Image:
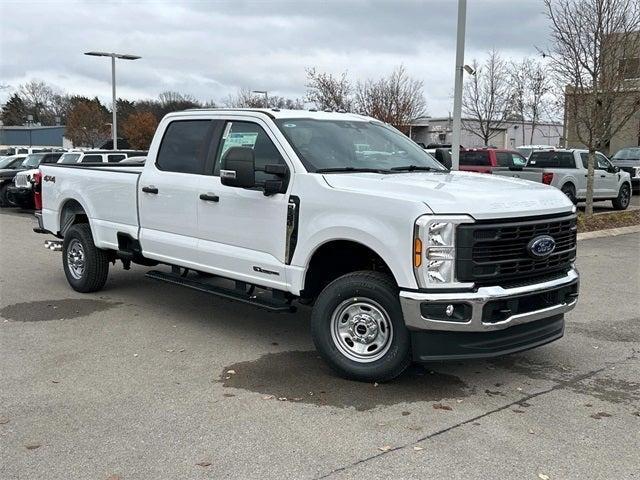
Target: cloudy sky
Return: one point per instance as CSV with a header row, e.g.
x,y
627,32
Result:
x,y
210,48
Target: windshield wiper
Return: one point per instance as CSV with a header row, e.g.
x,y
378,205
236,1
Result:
x,y
351,169
414,168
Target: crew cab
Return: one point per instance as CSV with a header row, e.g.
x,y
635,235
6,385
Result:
x,y
485,160
400,258
567,170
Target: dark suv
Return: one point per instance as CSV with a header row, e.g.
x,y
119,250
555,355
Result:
x,y
21,193
628,159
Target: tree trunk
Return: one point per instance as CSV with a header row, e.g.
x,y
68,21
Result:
x,y
591,163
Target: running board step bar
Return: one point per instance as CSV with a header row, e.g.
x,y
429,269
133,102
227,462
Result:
x,y
240,295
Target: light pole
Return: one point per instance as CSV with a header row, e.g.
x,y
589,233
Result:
x,y
457,95
114,128
266,96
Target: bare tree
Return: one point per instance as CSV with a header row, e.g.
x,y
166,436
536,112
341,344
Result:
x,y
328,92
38,97
245,98
531,89
397,99
593,44
487,98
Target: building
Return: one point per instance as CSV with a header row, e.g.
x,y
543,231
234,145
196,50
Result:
x,y
428,130
625,63
32,135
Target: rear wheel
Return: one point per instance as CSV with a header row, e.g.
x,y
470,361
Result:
x,y
85,266
623,199
4,200
358,327
570,191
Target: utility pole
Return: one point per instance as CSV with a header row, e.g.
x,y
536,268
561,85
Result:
x,y
457,96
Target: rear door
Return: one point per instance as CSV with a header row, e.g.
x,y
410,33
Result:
x,y
168,192
243,232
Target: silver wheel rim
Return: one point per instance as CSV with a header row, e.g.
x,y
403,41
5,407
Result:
x,y
625,196
75,259
361,330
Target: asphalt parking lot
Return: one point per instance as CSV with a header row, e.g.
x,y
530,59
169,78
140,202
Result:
x,y
150,381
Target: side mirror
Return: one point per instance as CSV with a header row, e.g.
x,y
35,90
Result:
x,y
443,155
237,168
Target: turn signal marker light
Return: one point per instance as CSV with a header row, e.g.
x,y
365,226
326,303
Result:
x,y
417,252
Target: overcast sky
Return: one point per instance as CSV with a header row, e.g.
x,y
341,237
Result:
x,y
209,49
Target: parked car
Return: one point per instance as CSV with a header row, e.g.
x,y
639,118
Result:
x,y
98,156
628,159
7,150
401,258
527,150
9,166
484,160
567,170
20,194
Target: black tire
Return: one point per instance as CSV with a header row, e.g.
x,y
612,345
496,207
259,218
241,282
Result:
x,y
364,287
4,200
623,199
570,191
92,276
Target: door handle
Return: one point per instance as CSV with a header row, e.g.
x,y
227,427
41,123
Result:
x,y
150,189
209,197
603,176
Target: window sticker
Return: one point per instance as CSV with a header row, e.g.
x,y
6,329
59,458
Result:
x,y
239,139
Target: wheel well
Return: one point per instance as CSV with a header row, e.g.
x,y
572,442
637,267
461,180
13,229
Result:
x,y
72,213
568,184
337,258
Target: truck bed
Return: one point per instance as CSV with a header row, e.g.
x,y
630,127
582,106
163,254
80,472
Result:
x,y
109,192
526,173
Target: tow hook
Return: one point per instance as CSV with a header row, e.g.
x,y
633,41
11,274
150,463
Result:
x,y
53,245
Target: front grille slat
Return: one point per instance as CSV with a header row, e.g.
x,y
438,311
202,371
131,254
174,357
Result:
x,y
495,253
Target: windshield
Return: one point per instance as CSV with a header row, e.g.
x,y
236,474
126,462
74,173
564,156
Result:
x,y
337,144
627,154
69,158
32,160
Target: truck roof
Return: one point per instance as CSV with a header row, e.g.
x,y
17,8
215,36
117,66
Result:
x,y
278,113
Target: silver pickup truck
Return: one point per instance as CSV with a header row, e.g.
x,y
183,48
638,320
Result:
x,y
566,169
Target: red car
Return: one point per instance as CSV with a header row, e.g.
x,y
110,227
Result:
x,y
484,160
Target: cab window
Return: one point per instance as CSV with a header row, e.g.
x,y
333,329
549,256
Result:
x,y
251,135
185,146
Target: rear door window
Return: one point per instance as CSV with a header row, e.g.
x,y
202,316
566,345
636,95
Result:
x,y
91,159
480,158
509,159
185,146
115,158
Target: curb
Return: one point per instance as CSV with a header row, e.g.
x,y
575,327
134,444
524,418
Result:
x,y
611,232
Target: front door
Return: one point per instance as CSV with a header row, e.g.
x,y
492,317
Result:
x,y
168,193
242,231
608,178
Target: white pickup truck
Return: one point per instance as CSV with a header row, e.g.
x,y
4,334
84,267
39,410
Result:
x,y
401,259
567,170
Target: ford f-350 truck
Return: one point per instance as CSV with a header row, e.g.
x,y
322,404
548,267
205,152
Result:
x,y
400,258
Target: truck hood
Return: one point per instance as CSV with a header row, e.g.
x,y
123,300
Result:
x,y
7,172
482,196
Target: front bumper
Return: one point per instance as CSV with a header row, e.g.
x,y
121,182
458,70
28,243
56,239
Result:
x,y
20,196
490,321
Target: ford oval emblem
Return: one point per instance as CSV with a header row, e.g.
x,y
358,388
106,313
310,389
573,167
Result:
x,y
541,246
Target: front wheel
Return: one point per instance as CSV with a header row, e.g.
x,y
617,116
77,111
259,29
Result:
x,y
85,266
358,327
623,199
4,198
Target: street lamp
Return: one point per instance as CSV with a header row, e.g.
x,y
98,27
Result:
x,y
114,129
266,96
457,95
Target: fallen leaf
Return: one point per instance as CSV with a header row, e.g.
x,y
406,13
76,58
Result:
x,y
542,476
4,420
637,414
417,448
181,350
55,381
493,393
282,399
267,397
600,415
170,350
404,414
32,446
459,400
375,384
441,406
385,448
228,395
135,354
588,405
381,424
231,372
531,432
203,464
516,410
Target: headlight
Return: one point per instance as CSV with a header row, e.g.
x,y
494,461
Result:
x,y
637,171
434,250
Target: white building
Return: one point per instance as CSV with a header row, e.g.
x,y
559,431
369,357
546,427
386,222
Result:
x,y
428,130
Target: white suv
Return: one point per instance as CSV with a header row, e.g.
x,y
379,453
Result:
x,y
98,156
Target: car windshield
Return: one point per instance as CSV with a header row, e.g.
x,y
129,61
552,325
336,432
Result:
x,y
69,158
627,154
341,145
32,160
